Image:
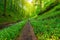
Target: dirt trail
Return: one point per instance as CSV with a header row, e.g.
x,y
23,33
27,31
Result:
x,y
27,33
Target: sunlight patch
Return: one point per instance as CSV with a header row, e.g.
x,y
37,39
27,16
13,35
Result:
x,y
30,1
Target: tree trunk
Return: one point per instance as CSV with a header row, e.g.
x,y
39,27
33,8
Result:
x,y
11,5
5,7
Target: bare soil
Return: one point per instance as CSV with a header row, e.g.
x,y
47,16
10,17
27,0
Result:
x,y
27,33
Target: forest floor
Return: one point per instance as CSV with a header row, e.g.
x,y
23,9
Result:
x,y
27,33
7,24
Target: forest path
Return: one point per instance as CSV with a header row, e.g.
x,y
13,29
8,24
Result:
x,y
27,33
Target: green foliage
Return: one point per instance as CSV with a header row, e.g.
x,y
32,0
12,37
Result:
x,y
55,11
47,25
11,32
46,29
13,11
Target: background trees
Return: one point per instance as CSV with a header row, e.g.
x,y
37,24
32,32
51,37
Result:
x,y
23,9
10,10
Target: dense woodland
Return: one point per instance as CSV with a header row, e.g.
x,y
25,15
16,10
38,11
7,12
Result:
x,y
43,15
12,10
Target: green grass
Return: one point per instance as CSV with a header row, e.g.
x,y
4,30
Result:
x,y
47,29
11,32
